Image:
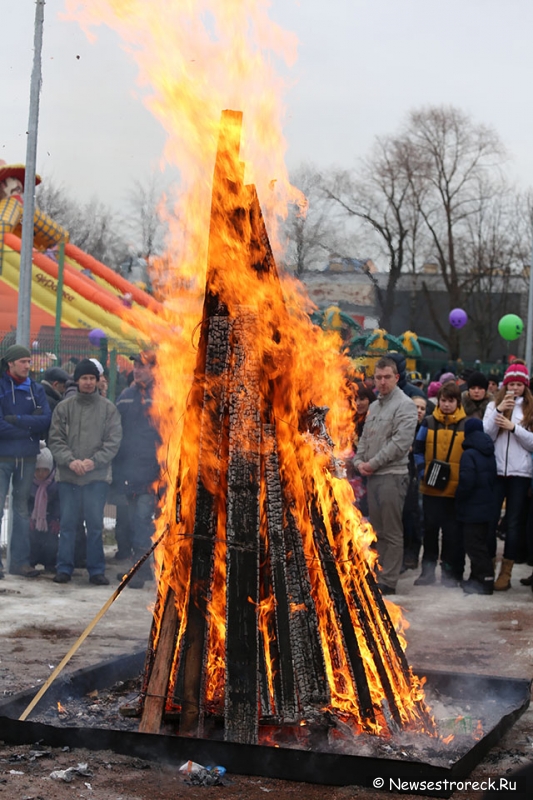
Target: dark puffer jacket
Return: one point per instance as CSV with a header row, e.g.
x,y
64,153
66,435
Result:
x,y
136,468
27,405
52,395
475,408
474,498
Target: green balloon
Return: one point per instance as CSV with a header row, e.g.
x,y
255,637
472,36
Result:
x,y
510,327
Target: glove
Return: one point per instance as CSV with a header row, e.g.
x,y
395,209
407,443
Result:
x,y
11,418
38,412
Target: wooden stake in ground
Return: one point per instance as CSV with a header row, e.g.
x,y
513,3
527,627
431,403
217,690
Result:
x,y
90,627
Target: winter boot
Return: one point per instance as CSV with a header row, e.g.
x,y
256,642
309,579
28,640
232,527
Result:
x,y
448,577
527,581
503,581
476,586
427,576
143,574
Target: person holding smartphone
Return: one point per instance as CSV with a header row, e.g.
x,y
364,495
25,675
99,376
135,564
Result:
x,y
508,420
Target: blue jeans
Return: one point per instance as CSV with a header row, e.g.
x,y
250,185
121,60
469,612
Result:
x,y
22,470
141,513
91,498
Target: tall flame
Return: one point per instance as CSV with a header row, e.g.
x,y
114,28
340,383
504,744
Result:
x,y
197,57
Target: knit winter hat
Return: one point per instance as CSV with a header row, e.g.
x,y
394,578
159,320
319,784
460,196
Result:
x,y
86,367
433,389
518,373
15,352
98,366
479,380
472,424
44,460
445,377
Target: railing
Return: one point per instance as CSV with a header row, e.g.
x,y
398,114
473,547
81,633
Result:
x,y
74,345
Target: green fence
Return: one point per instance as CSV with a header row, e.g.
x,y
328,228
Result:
x,y
72,346
429,366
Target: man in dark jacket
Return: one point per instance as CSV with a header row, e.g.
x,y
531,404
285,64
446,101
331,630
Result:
x,y
54,383
136,468
474,501
24,420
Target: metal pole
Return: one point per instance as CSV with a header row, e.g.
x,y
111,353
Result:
x,y
26,251
59,299
112,394
529,328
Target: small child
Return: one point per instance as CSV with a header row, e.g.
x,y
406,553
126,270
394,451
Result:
x,y
413,529
437,451
43,505
474,502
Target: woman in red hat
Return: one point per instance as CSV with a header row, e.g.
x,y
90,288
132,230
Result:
x,y
509,422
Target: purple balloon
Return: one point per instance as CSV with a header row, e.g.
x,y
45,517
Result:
x,y
458,317
95,336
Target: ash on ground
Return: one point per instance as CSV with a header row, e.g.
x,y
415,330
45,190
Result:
x,y
459,726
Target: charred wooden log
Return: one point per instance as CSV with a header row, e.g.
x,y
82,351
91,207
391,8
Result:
x,y
189,687
286,700
262,544
242,537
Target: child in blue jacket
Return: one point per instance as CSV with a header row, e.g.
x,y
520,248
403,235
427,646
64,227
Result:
x,y
474,503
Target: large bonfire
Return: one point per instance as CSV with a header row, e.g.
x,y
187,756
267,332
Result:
x,y
268,610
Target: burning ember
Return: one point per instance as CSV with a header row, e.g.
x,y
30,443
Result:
x,y
268,612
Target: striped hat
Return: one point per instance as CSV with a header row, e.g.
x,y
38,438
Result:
x,y
518,373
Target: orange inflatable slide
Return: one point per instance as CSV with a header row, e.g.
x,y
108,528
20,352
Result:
x,y
94,296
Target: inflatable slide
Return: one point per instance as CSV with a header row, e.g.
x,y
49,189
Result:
x,y
94,296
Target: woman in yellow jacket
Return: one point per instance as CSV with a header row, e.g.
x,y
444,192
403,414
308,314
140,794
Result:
x,y
438,449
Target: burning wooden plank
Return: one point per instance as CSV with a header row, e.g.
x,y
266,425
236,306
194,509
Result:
x,y
242,539
210,459
278,618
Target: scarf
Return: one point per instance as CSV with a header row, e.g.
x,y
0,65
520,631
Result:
x,y
19,381
40,507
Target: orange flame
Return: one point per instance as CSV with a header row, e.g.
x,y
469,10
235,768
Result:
x,y
198,58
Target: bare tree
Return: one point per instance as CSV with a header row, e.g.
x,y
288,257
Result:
x,y
493,248
313,230
93,227
146,200
380,195
455,172
435,192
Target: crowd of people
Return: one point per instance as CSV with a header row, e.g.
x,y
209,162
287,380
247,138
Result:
x,y
66,449
440,470
443,470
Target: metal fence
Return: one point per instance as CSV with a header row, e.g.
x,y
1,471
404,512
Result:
x,y
72,345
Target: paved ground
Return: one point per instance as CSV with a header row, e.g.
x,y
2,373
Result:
x,y
40,620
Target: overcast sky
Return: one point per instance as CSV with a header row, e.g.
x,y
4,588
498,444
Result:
x,y
362,65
